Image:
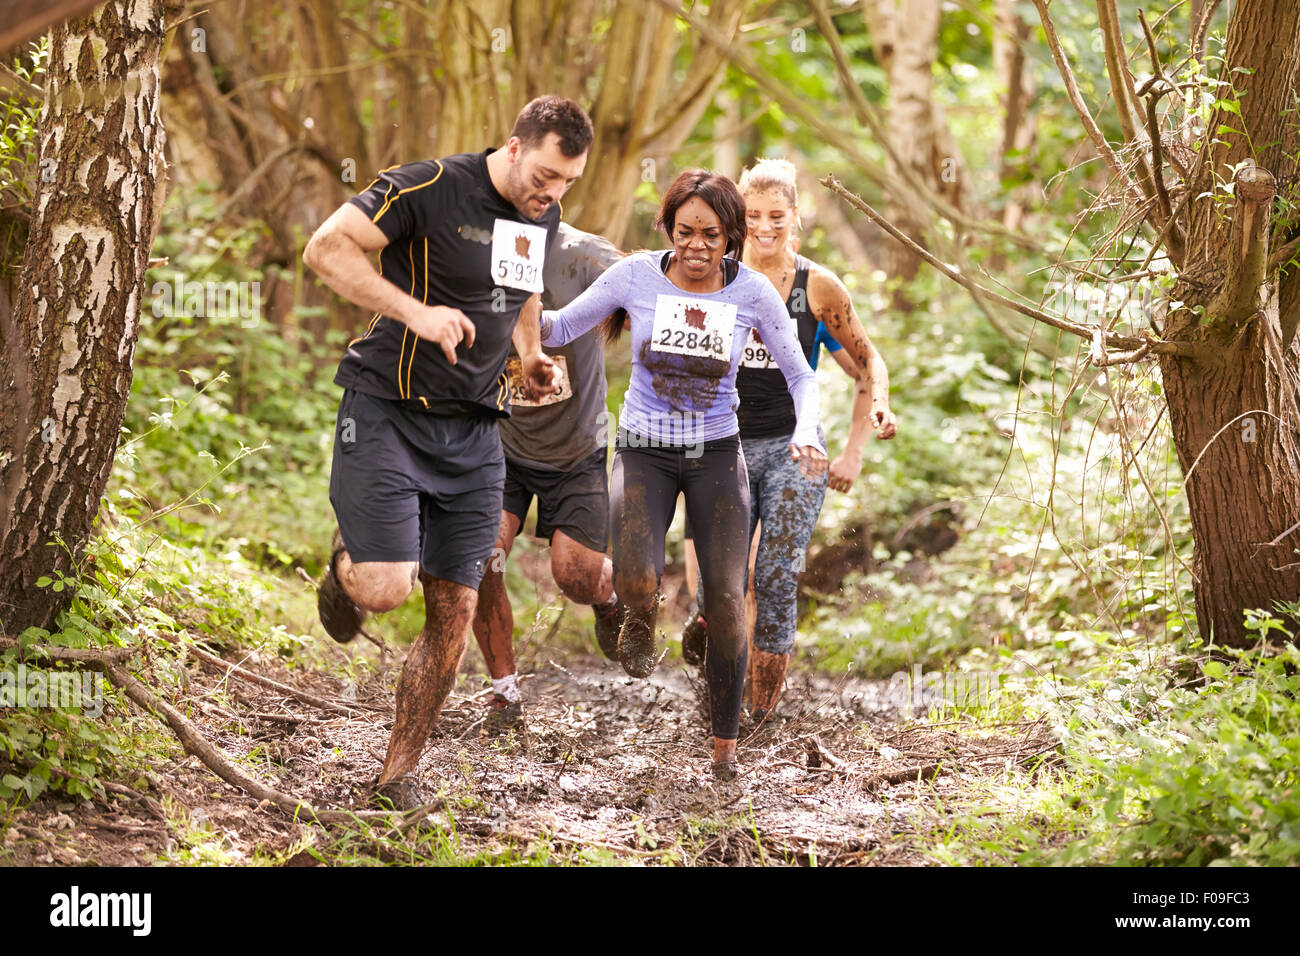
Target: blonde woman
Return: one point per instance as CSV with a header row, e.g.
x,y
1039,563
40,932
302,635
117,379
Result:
x,y
783,498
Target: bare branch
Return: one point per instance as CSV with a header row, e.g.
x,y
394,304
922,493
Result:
x,y
1284,253
1199,29
1121,78
1076,98
11,83
1083,331
837,138
28,19
1156,91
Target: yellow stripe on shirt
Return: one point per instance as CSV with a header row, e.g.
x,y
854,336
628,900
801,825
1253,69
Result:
x,y
389,200
406,393
425,300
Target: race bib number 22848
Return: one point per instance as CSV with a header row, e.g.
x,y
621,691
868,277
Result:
x,y
695,327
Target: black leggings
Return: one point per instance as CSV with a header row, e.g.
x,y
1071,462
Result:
x,y
643,497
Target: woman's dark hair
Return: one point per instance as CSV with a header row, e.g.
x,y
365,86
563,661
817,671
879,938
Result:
x,y
612,326
558,115
722,196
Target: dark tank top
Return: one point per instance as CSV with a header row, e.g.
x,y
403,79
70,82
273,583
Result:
x,y
766,408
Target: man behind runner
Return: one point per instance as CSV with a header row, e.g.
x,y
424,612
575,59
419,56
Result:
x,y
418,469
556,449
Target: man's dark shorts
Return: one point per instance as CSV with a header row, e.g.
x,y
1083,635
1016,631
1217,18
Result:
x,y
574,501
410,486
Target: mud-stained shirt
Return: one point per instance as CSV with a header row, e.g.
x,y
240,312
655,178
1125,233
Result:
x,y
453,240
560,430
687,346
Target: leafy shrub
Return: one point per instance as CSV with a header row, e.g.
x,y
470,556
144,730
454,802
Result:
x,y
1196,773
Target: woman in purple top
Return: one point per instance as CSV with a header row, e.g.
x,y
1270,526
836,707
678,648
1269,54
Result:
x,y
691,310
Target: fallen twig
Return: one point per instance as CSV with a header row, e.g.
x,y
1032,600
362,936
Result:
x,y
195,743
83,655
247,675
903,776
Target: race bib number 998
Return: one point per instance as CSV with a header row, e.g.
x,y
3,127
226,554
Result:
x,y
756,354
694,327
518,254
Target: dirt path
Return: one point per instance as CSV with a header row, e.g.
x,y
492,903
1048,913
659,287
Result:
x,y
609,770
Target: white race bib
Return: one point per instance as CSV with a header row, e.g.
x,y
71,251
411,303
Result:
x,y
756,354
519,390
518,254
695,327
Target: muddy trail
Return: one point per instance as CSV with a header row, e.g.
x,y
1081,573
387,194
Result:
x,y
608,770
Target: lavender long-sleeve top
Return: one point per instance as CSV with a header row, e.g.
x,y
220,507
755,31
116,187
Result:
x,y
686,347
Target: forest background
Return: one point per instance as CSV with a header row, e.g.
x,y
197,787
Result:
x,y
1089,176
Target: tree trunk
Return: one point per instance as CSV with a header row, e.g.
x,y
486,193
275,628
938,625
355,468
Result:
x,y
1233,407
1245,489
66,368
907,47
1011,35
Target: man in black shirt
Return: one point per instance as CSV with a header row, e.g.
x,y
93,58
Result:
x,y
418,468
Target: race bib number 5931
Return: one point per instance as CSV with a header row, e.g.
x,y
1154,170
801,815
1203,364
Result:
x,y
695,327
518,253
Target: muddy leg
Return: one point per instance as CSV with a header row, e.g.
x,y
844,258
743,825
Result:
x,y
494,621
768,679
429,673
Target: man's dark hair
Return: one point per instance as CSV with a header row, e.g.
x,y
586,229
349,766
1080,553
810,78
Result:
x,y
554,114
722,196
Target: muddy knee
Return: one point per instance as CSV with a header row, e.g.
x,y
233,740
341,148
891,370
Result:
x,y
380,585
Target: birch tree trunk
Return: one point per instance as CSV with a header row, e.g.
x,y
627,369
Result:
x,y
66,367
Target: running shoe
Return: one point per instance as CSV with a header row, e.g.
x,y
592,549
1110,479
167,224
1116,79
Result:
x,y
338,612
695,639
636,641
504,716
609,621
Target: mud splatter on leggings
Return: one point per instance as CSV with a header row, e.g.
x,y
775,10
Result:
x,y
788,505
643,496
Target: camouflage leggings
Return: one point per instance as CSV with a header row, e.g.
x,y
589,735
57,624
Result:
x,y
788,505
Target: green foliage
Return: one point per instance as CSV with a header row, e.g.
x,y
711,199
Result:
x,y
1194,773
19,116
18,127
225,403
67,739
144,580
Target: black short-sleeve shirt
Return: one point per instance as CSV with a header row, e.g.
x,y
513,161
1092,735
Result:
x,y
454,241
